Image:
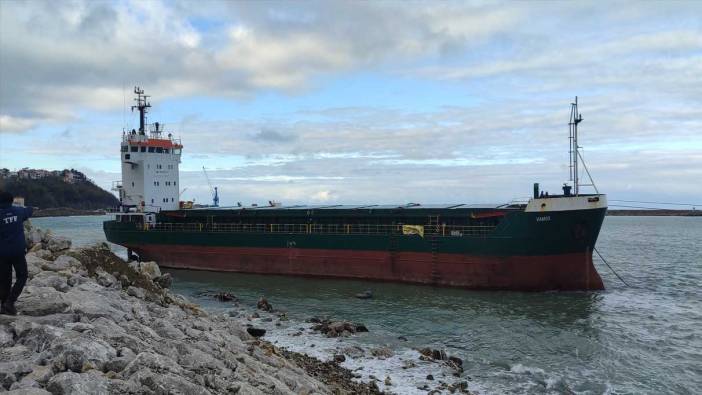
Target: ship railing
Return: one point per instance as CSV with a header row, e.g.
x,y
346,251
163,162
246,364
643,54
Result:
x,y
361,229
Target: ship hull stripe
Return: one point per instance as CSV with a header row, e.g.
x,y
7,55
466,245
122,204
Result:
x,y
571,271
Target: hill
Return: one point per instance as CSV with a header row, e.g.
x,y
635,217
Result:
x,y
56,189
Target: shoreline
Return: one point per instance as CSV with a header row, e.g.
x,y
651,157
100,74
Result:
x,y
91,322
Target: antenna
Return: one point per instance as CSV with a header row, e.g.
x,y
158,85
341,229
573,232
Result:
x,y
142,105
575,156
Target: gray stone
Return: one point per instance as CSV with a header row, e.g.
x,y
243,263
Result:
x,y
57,244
106,279
150,269
44,254
13,371
49,279
63,262
167,330
164,281
136,292
29,391
68,383
6,336
41,301
79,326
74,355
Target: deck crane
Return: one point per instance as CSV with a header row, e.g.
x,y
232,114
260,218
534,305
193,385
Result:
x,y
213,190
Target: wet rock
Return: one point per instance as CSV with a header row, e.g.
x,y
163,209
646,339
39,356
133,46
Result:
x,y
402,338
57,244
164,281
339,358
457,362
430,377
256,332
67,383
381,352
264,305
338,328
388,382
368,294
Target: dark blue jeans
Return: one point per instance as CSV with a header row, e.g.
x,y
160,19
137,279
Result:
x,y
8,292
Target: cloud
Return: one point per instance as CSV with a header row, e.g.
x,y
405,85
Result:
x,y
270,135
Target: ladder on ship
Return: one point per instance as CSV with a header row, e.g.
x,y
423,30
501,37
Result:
x,y
434,228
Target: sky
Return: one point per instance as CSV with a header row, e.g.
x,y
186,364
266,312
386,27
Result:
x,y
362,102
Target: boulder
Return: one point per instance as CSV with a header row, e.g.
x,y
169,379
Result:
x,y
49,279
68,383
11,372
37,301
150,269
164,281
44,254
29,391
6,336
264,305
105,279
256,332
76,354
381,352
63,262
56,244
136,292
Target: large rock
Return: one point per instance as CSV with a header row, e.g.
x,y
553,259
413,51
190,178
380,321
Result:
x,y
37,301
6,336
78,354
63,262
68,383
29,391
13,371
56,244
49,279
150,269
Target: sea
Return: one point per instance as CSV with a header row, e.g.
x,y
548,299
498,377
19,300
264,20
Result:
x,y
642,337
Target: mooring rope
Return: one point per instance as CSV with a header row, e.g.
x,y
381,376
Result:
x,y
610,268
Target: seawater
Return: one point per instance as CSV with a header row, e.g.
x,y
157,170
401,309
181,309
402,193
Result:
x,y
641,338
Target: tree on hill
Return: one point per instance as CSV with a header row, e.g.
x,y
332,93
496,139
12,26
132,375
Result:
x,y
53,191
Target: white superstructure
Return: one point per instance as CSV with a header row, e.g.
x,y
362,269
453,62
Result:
x,y
150,162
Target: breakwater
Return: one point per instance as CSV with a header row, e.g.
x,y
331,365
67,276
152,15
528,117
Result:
x,y
90,322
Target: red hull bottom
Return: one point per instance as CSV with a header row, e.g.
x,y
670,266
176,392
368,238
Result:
x,y
573,271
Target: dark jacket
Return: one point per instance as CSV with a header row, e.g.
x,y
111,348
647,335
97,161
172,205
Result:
x,y
12,230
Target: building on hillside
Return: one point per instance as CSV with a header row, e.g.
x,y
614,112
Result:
x,y
33,174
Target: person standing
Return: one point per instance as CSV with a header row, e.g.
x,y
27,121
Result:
x,y
12,251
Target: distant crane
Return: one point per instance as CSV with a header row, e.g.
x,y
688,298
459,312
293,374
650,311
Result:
x,y
213,190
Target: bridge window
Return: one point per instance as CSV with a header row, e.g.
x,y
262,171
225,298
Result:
x,y
125,148
159,150
143,149
134,148
165,150
151,149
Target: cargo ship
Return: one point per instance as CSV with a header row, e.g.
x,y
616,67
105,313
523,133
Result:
x,y
545,243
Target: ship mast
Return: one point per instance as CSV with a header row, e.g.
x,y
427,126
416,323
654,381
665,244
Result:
x,y
576,158
142,106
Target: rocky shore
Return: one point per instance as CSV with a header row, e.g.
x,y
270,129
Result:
x,y
91,323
